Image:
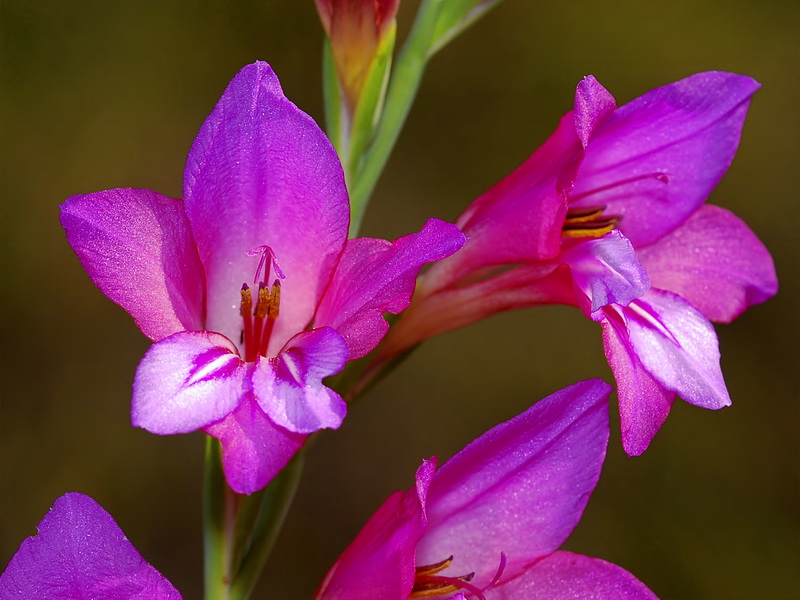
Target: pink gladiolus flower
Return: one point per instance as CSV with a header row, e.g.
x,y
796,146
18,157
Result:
x,y
487,525
80,552
608,215
265,205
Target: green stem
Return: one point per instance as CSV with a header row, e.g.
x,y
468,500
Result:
x,y
405,81
275,505
219,517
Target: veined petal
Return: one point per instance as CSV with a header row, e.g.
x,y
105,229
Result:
x,y
254,449
137,247
375,277
520,488
568,576
715,262
644,404
379,563
678,347
187,381
80,552
262,173
289,387
685,133
607,270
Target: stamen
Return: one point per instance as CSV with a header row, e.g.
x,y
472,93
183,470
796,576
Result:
x,y
246,310
589,227
434,568
272,314
275,300
658,175
438,585
263,304
427,582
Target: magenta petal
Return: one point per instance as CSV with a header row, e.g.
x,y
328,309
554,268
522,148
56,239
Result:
x,y
644,404
678,347
254,449
262,173
137,247
520,488
379,563
593,103
568,576
80,553
715,262
376,277
187,381
685,133
289,387
607,270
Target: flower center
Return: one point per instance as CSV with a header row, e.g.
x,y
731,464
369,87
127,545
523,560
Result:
x,y
428,583
589,221
259,321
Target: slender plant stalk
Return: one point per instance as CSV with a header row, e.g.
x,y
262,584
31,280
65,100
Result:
x,y
219,516
405,80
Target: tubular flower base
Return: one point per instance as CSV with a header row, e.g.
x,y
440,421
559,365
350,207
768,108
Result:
x,y
487,525
80,553
248,286
608,216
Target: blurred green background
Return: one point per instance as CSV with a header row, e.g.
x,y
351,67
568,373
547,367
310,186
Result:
x,y
99,94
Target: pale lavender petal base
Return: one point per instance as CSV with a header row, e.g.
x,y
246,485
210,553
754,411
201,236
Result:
x,y
188,381
644,404
81,554
289,387
254,449
678,347
607,271
521,488
568,576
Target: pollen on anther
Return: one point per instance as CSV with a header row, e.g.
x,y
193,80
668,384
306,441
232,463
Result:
x,y
246,307
275,300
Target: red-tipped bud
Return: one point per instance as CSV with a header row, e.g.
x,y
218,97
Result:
x,y
355,29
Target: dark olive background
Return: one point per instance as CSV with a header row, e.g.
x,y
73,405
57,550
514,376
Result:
x,y
99,94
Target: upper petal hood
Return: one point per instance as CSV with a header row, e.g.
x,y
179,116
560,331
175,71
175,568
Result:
x,y
261,172
80,552
685,133
521,487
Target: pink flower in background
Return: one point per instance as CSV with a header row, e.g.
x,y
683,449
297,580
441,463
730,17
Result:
x,y
265,205
489,522
80,552
608,215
